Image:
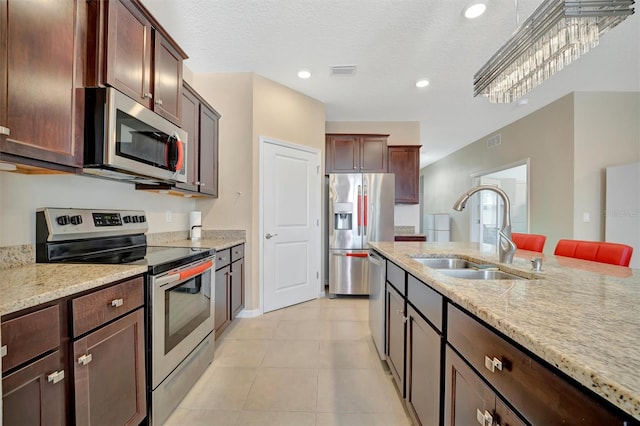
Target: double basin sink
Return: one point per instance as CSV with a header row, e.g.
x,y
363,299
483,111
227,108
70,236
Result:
x,y
462,268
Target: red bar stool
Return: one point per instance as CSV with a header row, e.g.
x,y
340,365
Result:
x,y
595,251
531,242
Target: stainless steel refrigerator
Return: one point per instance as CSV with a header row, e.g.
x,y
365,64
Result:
x,y
361,209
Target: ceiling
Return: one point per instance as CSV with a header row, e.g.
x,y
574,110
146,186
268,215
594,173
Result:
x,y
393,43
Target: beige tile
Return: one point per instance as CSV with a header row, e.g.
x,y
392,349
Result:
x,y
276,418
351,391
347,302
251,328
189,417
345,330
240,353
283,389
341,354
361,419
292,354
346,314
298,330
220,388
302,313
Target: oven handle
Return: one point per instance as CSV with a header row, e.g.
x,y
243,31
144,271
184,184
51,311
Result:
x,y
183,275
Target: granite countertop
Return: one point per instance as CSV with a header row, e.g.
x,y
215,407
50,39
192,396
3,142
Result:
x,y
35,283
582,317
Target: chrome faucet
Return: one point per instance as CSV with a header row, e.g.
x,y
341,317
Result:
x,y
506,246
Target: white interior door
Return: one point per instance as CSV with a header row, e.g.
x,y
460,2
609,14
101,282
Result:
x,y
290,200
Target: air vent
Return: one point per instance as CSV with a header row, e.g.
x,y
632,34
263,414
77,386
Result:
x,y
494,141
343,69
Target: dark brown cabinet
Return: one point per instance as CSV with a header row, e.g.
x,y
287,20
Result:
x,y
200,121
130,51
469,401
109,361
222,317
41,101
356,153
404,162
396,335
34,386
237,280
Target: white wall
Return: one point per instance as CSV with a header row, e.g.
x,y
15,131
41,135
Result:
x,y
21,195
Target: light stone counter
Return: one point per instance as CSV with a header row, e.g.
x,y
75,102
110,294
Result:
x,y
30,285
215,243
581,317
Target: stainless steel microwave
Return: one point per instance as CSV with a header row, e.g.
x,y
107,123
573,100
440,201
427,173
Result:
x,y
123,140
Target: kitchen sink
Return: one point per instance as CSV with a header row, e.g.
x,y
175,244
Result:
x,y
481,274
445,262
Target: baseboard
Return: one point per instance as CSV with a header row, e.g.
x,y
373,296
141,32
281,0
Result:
x,y
249,313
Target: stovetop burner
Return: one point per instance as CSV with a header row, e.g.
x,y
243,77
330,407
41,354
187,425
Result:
x,y
105,237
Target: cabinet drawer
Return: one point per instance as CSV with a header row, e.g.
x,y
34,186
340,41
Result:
x,y
540,395
30,335
102,306
237,252
223,258
426,301
395,276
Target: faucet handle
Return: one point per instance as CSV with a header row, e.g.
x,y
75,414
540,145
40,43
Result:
x,y
536,264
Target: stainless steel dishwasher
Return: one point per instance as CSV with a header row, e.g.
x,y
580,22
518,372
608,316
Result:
x,y
377,277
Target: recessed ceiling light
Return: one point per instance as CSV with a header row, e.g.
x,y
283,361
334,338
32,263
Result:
x,y
474,10
422,83
304,74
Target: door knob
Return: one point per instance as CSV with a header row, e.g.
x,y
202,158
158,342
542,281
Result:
x,y
269,236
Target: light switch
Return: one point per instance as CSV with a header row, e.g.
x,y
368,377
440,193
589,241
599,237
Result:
x,y
586,217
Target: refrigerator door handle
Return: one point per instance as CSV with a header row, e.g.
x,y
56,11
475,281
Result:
x,y
365,209
358,221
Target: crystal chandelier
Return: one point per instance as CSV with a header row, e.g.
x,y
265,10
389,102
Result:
x,y
556,34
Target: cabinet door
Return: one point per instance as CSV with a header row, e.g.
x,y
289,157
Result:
x,y
167,84
128,66
237,287
396,332
343,154
404,162
208,151
109,374
191,124
423,369
30,398
373,154
221,315
40,47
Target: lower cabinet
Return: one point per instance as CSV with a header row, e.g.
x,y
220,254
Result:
x,y
469,401
237,287
229,294
396,335
79,360
222,319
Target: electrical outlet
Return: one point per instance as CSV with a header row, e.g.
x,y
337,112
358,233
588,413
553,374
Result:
x,y
168,216
586,217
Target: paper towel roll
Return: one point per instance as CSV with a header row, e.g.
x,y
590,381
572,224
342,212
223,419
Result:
x,y
195,225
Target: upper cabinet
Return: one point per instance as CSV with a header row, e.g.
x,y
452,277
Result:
x,y
200,121
41,76
404,162
130,51
350,153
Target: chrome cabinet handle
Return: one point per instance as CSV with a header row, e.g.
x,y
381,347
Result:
x,y
116,303
269,236
85,359
491,364
159,102
3,351
148,95
485,419
202,184
55,377
5,131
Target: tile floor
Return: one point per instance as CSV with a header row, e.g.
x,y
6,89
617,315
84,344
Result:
x,y
309,364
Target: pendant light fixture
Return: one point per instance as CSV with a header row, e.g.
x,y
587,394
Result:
x,y
556,34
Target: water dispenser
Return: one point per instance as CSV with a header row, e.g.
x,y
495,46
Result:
x,y
343,216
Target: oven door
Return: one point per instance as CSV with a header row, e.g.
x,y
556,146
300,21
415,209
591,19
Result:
x,y
181,315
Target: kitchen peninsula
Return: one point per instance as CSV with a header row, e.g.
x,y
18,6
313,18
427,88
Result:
x,y
577,317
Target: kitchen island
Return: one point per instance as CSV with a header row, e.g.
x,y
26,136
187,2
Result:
x,y
579,317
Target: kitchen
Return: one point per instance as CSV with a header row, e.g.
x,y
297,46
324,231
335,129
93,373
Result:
x,y
234,96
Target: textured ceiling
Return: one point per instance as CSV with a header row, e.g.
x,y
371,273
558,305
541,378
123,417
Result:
x,y
393,43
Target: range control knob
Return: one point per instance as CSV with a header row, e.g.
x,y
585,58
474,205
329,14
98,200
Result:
x,y
142,219
135,219
76,220
63,220
127,219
